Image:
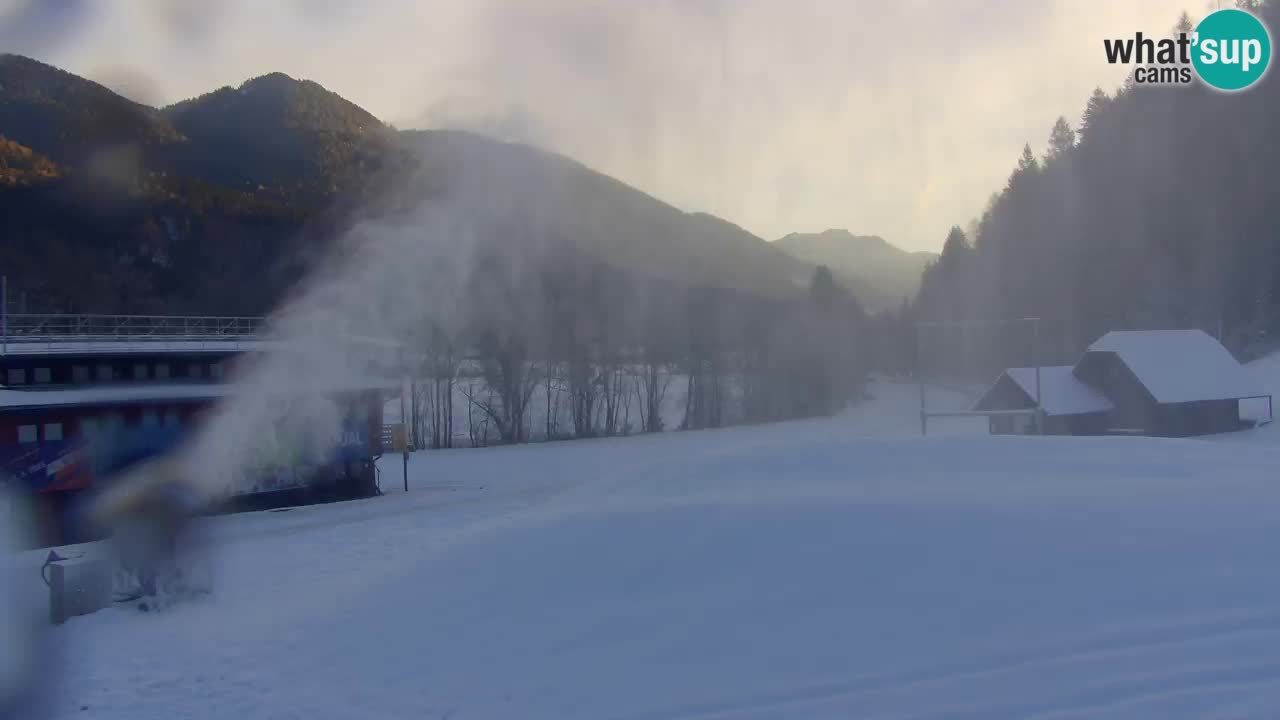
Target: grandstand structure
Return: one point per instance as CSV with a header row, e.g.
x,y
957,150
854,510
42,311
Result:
x,y
73,383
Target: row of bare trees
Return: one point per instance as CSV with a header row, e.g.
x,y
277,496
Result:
x,y
576,349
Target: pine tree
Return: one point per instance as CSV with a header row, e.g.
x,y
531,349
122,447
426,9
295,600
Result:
x,y
1184,26
1028,162
1061,139
822,287
1097,104
954,249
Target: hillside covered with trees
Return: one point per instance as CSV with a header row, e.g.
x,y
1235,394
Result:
x,y
249,185
881,274
543,274
1158,208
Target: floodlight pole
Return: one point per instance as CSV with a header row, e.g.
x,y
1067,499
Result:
x,y
404,426
924,418
1035,356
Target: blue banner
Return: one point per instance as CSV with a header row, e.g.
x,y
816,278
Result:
x,y
73,464
47,466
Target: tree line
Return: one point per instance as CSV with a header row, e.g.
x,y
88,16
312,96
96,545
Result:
x,y
575,349
1157,209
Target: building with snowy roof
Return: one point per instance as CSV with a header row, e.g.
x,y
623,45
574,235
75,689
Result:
x,y
1069,406
77,390
1169,383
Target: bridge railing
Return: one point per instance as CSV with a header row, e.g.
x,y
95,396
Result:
x,y
27,327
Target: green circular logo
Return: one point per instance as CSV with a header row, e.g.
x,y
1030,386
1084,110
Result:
x,y
1231,49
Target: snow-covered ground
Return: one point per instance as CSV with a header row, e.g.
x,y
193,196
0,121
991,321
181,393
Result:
x,y
836,568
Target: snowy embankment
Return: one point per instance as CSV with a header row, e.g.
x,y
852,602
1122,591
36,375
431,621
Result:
x,y
821,568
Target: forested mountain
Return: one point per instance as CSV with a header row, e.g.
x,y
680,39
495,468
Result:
x,y
596,214
309,141
881,274
68,118
217,204
535,269
1158,208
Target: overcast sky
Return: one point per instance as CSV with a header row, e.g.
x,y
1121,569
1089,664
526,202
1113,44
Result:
x,y
895,117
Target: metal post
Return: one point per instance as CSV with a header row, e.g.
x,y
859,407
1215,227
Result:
x,y
1035,356
57,593
4,314
404,424
924,419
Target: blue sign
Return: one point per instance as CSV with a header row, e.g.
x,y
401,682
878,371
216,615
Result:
x,y
72,464
46,466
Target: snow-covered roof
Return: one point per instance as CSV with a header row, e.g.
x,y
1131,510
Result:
x,y
1061,392
156,392
1179,365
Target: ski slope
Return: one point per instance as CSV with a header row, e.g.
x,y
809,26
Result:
x,y
836,568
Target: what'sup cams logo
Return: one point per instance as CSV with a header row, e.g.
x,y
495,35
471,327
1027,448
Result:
x,y
1229,50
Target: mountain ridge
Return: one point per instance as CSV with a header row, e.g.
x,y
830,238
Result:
x,y
250,178
880,273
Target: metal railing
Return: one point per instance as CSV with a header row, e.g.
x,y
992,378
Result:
x,y
23,327
27,333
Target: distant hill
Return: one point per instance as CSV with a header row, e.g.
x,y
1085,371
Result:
x,y
881,274
219,203
68,118
302,136
598,215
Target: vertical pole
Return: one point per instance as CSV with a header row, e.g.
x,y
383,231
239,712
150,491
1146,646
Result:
x,y
4,314
404,419
404,424
1035,356
57,594
924,419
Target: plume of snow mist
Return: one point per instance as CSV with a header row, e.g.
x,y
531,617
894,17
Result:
x,y
24,652
392,280
334,337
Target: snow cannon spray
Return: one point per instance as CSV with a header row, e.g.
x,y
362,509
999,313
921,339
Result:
x,y
147,507
25,654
